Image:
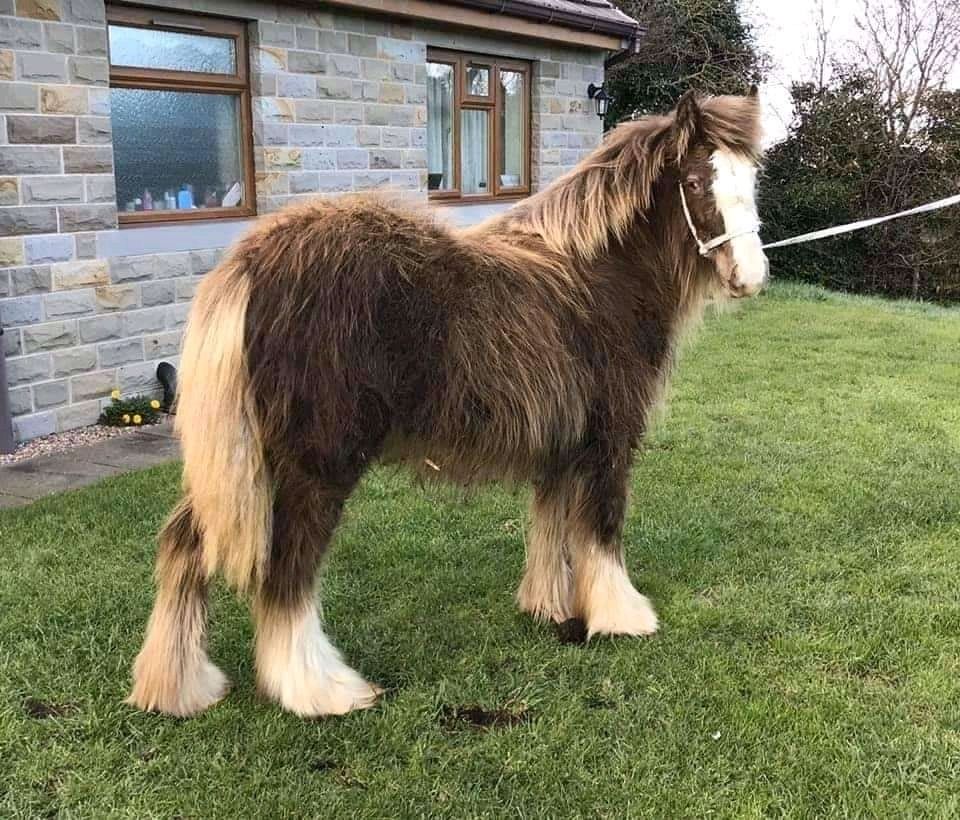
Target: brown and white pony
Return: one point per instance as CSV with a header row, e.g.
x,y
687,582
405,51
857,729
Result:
x,y
531,347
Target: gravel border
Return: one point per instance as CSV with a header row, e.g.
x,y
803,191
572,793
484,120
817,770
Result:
x,y
66,441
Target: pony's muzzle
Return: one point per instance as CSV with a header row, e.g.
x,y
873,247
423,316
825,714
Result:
x,y
743,284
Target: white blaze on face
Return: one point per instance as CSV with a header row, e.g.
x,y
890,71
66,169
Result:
x,y
734,186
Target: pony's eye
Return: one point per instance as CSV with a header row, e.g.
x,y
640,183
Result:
x,y
694,185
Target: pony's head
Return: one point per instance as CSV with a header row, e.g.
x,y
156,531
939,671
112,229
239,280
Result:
x,y
689,176
714,150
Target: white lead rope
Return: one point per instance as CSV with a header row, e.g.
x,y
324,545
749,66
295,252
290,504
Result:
x,y
857,226
706,247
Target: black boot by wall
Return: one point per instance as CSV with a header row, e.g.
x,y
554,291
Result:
x,y
167,376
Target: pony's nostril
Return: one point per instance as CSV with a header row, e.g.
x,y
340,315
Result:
x,y
736,283
740,289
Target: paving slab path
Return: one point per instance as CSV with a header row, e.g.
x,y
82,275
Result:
x,y
26,481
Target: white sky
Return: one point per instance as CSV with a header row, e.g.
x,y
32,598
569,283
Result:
x,y
786,32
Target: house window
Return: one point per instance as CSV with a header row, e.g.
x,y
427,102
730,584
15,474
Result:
x,y
478,126
180,108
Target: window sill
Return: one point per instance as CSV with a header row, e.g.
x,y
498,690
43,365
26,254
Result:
x,y
171,237
143,219
445,201
472,213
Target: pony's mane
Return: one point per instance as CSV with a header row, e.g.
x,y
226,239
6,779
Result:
x,y
582,211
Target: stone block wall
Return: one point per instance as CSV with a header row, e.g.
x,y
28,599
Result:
x,y
564,122
77,330
56,192
339,104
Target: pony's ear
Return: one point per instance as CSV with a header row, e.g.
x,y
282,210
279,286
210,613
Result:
x,y
688,122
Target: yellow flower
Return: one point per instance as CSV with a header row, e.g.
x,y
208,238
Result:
x,y
115,394
137,419
155,404
126,418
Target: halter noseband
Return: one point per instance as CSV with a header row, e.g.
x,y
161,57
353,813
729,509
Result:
x,y
707,247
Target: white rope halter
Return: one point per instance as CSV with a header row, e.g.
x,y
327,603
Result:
x,y
707,247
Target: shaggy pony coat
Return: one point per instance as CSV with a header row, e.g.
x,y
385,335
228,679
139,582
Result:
x,y
531,347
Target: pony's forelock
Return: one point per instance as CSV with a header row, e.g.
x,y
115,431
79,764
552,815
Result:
x,y
733,123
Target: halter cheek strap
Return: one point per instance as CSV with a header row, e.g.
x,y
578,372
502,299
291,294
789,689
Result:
x,y
707,247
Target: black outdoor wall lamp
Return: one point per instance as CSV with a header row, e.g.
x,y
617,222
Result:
x,y
601,99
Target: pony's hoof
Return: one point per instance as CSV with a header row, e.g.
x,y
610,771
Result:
x,y
629,614
156,690
573,630
545,613
545,603
331,695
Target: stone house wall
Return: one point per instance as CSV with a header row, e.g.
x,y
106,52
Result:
x,y
339,104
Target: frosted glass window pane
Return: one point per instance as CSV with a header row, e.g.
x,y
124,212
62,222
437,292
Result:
x,y
478,81
511,129
440,127
176,149
474,151
172,50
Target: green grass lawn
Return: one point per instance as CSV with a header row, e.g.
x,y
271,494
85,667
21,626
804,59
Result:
x,y
795,519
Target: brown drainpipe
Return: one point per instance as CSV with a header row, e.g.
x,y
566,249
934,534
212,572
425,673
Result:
x,y
6,421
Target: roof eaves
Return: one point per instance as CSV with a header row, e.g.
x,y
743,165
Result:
x,y
620,25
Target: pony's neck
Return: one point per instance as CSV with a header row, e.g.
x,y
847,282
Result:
x,y
587,212
618,213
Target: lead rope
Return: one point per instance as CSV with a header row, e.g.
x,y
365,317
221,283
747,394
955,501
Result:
x,y
864,223
706,247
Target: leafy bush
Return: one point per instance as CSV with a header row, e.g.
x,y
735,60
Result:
x,y
130,412
700,44
839,165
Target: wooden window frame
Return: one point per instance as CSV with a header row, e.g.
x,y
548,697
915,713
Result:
x,y
237,85
493,105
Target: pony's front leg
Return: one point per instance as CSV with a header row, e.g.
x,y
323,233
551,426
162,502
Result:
x,y
546,591
604,598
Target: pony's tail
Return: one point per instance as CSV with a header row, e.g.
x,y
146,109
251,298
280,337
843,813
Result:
x,y
224,520
224,472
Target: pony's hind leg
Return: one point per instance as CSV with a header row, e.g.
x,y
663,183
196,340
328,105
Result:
x,y
172,673
546,591
297,665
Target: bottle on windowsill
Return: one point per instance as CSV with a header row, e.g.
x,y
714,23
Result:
x,y
147,200
185,197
